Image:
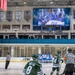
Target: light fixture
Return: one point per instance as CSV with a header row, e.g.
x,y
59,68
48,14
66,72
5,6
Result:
x,y
24,3
51,2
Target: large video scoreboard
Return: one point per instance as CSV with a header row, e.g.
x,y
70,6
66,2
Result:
x,y
51,18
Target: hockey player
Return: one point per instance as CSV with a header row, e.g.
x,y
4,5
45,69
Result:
x,y
56,63
33,67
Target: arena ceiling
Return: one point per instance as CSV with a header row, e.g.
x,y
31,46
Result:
x,y
41,3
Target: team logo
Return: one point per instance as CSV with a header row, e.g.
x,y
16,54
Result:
x,y
9,15
1,16
27,15
18,15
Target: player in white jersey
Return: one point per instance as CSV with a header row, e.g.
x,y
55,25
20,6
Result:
x,y
56,63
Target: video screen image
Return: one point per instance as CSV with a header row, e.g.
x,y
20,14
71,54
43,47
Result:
x,y
52,17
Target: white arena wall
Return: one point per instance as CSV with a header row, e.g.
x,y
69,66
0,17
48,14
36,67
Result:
x,y
24,22
14,9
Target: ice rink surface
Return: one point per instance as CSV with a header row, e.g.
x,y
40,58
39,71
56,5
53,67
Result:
x,y
16,68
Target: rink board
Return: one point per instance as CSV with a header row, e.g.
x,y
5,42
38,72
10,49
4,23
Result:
x,y
15,59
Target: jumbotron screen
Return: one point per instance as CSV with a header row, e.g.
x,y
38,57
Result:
x,y
56,18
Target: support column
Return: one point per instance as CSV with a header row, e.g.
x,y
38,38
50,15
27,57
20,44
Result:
x,y
24,51
67,49
42,36
20,52
12,51
27,52
55,36
16,34
39,50
69,36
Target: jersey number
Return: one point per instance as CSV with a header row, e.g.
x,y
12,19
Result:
x,y
55,60
28,69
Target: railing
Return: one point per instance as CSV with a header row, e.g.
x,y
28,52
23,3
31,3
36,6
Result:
x,y
38,41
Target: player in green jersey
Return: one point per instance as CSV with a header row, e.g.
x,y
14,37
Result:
x,y
56,63
33,67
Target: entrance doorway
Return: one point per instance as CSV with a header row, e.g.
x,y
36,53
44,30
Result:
x,y
58,36
6,36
